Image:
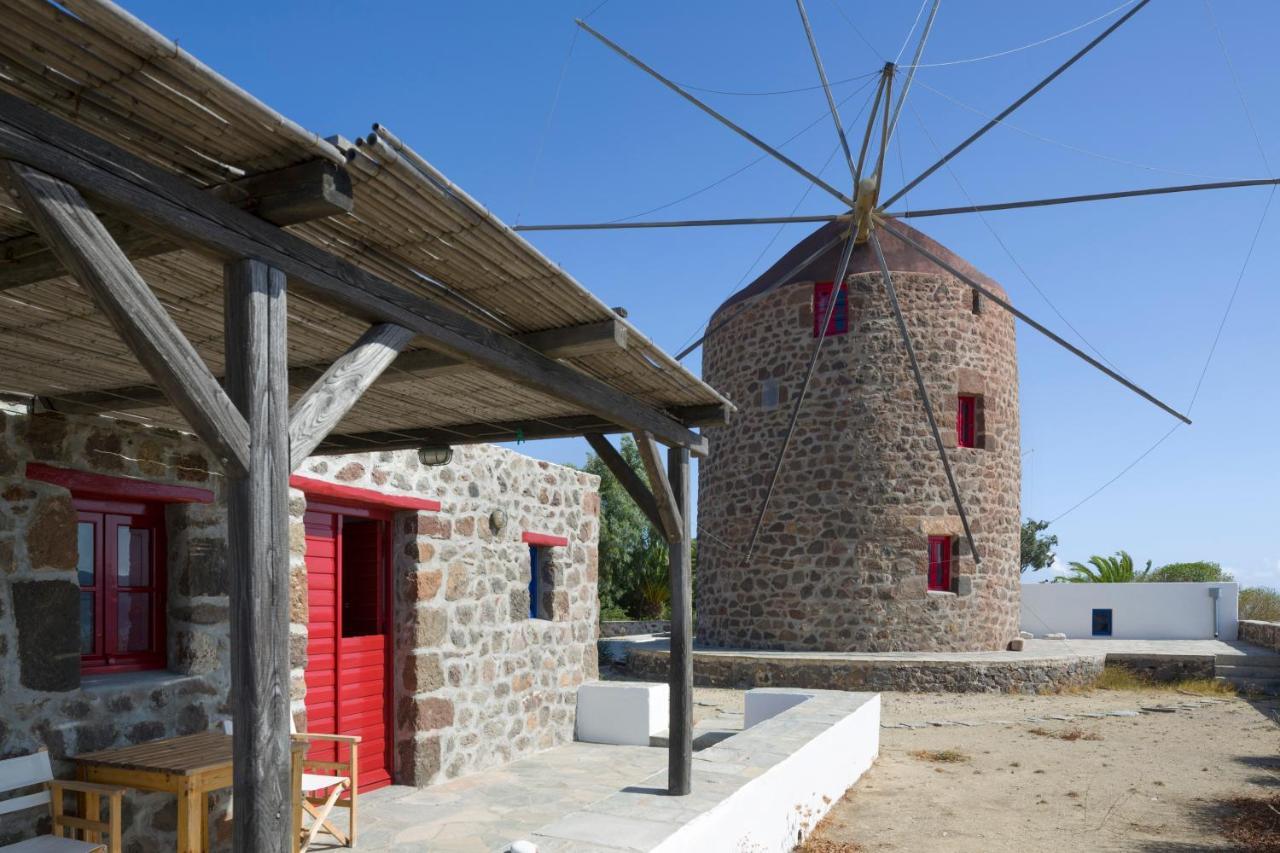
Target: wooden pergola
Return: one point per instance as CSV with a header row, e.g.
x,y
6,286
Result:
x,y
174,252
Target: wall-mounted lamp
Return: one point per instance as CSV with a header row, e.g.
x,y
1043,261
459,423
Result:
x,y
435,455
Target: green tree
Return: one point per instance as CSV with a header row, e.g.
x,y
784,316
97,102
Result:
x,y
1117,569
630,549
1261,603
1037,550
1200,571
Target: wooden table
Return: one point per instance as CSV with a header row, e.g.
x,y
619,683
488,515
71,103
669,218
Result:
x,y
188,767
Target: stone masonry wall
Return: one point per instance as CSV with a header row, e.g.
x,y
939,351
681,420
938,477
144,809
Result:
x,y
476,681
841,562
1265,634
479,683
44,701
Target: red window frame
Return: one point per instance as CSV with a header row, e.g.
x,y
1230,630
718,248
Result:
x,y
967,420
106,592
940,563
839,324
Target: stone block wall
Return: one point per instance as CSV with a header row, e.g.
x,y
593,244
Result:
x,y
842,557
476,681
1265,634
44,700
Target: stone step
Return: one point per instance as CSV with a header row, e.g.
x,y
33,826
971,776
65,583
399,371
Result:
x,y
1265,686
1270,660
1248,671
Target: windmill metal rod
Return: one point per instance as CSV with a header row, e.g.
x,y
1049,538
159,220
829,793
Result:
x,y
915,63
826,88
745,134
1032,323
683,223
1022,100
871,123
1073,199
780,280
841,271
924,394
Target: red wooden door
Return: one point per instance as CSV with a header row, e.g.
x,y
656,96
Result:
x,y
348,644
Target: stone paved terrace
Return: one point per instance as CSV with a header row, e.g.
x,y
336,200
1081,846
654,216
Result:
x,y
488,810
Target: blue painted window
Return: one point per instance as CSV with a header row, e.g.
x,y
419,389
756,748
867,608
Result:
x,y
1102,622
533,581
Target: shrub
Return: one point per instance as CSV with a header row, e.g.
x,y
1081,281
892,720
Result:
x,y
1261,603
1200,571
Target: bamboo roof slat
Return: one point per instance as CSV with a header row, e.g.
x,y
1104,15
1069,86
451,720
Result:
x,y
96,65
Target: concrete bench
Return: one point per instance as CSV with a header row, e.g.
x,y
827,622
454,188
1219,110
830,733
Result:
x,y
624,713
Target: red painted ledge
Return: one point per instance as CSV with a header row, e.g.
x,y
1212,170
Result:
x,y
545,539
355,494
116,488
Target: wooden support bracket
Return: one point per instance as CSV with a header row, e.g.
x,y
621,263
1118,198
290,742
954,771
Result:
x,y
628,478
318,411
63,219
668,510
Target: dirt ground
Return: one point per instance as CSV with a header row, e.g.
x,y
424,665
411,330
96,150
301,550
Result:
x,y
1153,782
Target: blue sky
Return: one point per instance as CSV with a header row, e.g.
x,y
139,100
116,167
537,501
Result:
x,y
1145,281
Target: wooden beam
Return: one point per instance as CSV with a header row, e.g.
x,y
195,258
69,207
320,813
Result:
x,y
165,202
628,478
305,192
494,432
668,510
319,410
680,673
311,190
61,216
258,560
569,342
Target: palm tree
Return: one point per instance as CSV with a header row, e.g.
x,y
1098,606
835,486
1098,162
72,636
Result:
x,y
1117,569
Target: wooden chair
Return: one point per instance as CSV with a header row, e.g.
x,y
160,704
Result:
x,y
29,771
334,787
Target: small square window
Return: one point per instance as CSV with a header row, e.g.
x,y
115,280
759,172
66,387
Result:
x,y
967,420
940,548
839,324
1102,622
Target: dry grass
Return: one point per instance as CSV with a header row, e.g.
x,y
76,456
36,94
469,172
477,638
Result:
x,y
1069,733
1253,823
822,845
940,756
1115,677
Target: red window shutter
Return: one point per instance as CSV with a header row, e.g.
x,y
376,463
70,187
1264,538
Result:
x,y
940,563
966,421
839,324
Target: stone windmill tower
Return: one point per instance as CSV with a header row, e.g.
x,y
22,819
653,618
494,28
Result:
x,y
862,548
866,499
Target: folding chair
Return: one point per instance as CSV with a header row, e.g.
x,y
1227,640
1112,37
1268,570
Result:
x,y
324,791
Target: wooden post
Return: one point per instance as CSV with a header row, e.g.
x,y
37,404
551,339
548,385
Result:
x,y
258,533
680,741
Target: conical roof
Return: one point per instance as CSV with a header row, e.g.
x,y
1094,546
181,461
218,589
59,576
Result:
x,y
899,256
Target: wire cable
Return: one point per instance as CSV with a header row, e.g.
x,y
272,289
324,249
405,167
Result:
x,y
761,94
1036,43
1008,253
1231,300
546,124
1235,82
858,32
906,41
1125,470
1065,145
744,167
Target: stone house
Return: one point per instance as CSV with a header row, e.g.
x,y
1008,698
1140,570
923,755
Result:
x,y
411,616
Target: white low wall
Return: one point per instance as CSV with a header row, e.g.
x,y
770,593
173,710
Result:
x,y
1139,611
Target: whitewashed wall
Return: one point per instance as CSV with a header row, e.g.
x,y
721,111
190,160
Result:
x,y
1139,611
